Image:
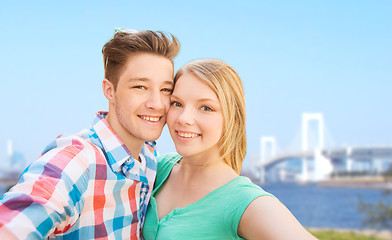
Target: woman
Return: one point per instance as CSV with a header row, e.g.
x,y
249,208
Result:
x,y
198,192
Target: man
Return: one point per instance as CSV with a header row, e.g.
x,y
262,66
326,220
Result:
x,y
96,184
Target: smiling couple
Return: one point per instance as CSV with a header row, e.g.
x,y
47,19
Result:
x,y
97,184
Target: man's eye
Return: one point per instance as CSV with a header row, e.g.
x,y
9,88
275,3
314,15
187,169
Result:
x,y
140,87
169,90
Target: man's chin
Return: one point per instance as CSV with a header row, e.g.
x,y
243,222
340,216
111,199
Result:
x,y
152,138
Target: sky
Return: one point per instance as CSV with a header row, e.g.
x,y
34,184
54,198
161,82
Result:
x,y
332,57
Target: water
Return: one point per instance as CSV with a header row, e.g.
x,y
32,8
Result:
x,y
322,207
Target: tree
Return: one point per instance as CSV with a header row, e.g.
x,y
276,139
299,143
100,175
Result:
x,y
379,215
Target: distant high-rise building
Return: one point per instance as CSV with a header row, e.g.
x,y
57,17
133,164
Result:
x,y
10,148
14,159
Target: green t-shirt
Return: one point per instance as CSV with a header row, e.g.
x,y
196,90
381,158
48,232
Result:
x,y
215,216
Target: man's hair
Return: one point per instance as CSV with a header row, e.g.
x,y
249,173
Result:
x,y
227,85
117,51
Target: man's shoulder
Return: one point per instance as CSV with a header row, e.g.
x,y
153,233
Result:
x,y
75,143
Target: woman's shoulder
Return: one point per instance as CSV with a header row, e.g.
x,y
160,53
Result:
x,y
168,159
243,191
165,165
245,186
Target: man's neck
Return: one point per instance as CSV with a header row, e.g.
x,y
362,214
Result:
x,y
133,145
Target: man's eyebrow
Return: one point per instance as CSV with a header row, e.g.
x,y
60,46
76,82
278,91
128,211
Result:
x,y
142,79
169,82
138,79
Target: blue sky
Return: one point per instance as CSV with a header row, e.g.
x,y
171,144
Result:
x,y
331,56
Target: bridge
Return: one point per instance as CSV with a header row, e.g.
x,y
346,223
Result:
x,y
318,162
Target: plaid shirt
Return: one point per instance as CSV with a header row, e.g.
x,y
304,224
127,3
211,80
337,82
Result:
x,y
85,186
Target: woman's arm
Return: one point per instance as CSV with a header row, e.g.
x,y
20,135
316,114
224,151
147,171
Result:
x,y
267,218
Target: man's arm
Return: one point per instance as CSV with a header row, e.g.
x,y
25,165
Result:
x,y
46,200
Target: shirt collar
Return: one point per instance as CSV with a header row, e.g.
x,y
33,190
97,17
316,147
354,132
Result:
x,y
116,151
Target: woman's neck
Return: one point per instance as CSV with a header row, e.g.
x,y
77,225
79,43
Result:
x,y
191,169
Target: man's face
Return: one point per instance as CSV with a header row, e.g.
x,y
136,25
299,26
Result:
x,y
141,99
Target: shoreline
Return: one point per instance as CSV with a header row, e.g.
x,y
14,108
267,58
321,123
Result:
x,y
384,234
342,182
360,182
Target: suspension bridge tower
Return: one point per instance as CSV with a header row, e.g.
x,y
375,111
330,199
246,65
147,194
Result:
x,y
322,165
267,150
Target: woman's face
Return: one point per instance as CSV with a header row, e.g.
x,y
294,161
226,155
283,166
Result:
x,y
195,118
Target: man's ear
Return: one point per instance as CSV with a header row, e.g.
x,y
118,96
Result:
x,y
108,90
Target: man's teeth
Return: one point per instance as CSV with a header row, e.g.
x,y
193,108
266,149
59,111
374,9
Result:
x,y
188,135
151,119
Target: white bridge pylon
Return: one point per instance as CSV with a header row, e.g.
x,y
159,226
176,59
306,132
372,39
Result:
x,y
268,148
306,119
267,151
322,166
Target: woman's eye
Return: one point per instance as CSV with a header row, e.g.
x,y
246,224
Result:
x,y
176,104
205,108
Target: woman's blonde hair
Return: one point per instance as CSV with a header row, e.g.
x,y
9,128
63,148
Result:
x,y
227,85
